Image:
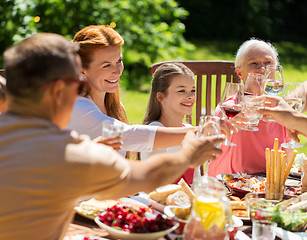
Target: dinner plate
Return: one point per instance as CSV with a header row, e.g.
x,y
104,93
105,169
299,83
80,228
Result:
x,y
287,235
220,176
83,212
81,237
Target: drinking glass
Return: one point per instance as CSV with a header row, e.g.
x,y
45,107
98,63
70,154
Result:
x,y
210,216
274,80
208,126
111,129
254,84
251,104
294,95
273,84
264,230
231,103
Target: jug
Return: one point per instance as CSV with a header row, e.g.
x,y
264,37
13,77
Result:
x,y
211,214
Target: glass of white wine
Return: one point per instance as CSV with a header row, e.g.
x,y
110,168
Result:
x,y
273,84
294,95
274,80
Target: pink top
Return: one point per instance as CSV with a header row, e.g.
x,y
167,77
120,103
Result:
x,y
249,154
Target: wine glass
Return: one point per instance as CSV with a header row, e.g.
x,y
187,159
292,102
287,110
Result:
x,y
208,126
251,104
273,84
294,95
274,80
254,84
231,103
253,87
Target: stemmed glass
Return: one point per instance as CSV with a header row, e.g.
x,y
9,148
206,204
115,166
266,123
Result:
x,y
273,84
274,80
251,104
294,95
254,84
208,126
253,88
231,103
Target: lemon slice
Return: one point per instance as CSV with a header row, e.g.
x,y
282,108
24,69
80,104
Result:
x,y
210,211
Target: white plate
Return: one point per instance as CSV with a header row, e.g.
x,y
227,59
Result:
x,y
119,234
81,237
292,182
287,235
220,176
81,211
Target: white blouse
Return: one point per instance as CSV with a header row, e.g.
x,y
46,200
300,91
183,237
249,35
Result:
x,y
86,119
146,154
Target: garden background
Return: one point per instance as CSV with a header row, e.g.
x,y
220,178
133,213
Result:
x,y
156,30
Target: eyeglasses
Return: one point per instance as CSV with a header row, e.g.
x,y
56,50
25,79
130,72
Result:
x,y
83,88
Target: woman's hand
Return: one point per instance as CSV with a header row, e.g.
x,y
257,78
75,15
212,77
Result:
x,y
116,142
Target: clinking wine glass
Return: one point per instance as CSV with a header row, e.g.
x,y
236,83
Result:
x,y
294,95
251,104
253,87
208,126
231,103
273,84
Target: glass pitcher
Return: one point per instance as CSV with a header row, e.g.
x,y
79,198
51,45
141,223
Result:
x,y
211,214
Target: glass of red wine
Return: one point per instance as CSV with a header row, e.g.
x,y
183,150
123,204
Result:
x,y
231,103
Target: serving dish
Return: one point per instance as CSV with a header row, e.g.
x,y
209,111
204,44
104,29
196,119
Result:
x,y
120,234
241,193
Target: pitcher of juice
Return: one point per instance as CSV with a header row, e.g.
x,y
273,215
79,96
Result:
x,y
211,214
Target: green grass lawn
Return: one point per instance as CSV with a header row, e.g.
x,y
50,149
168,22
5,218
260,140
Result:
x,y
292,58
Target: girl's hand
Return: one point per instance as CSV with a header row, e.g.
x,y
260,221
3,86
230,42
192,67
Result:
x,y
116,142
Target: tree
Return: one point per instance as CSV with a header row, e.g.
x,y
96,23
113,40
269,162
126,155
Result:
x,y
152,30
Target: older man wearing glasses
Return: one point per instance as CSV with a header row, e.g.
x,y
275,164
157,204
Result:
x,y
45,169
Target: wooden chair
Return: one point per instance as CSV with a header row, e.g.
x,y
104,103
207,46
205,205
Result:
x,y
208,74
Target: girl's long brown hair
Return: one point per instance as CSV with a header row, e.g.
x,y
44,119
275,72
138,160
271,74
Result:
x,y
89,40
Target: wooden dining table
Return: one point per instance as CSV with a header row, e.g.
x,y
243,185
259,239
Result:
x,y
88,227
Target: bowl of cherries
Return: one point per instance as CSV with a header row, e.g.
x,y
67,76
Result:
x,y
127,222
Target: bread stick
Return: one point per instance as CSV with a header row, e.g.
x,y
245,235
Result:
x,y
268,172
287,171
276,145
273,172
278,168
283,168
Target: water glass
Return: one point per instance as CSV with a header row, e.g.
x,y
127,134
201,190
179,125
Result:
x,y
263,230
111,129
251,104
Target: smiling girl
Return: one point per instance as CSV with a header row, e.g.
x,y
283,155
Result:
x,y
172,97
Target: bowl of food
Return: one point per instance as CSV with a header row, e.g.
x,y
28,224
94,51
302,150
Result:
x,y
241,186
290,214
125,222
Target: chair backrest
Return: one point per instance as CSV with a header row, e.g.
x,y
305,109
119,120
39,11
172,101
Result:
x,y
2,72
206,73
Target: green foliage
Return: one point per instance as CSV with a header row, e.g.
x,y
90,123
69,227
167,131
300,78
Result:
x,y
152,29
242,19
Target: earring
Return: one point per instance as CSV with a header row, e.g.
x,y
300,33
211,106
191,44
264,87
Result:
x,y
83,78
